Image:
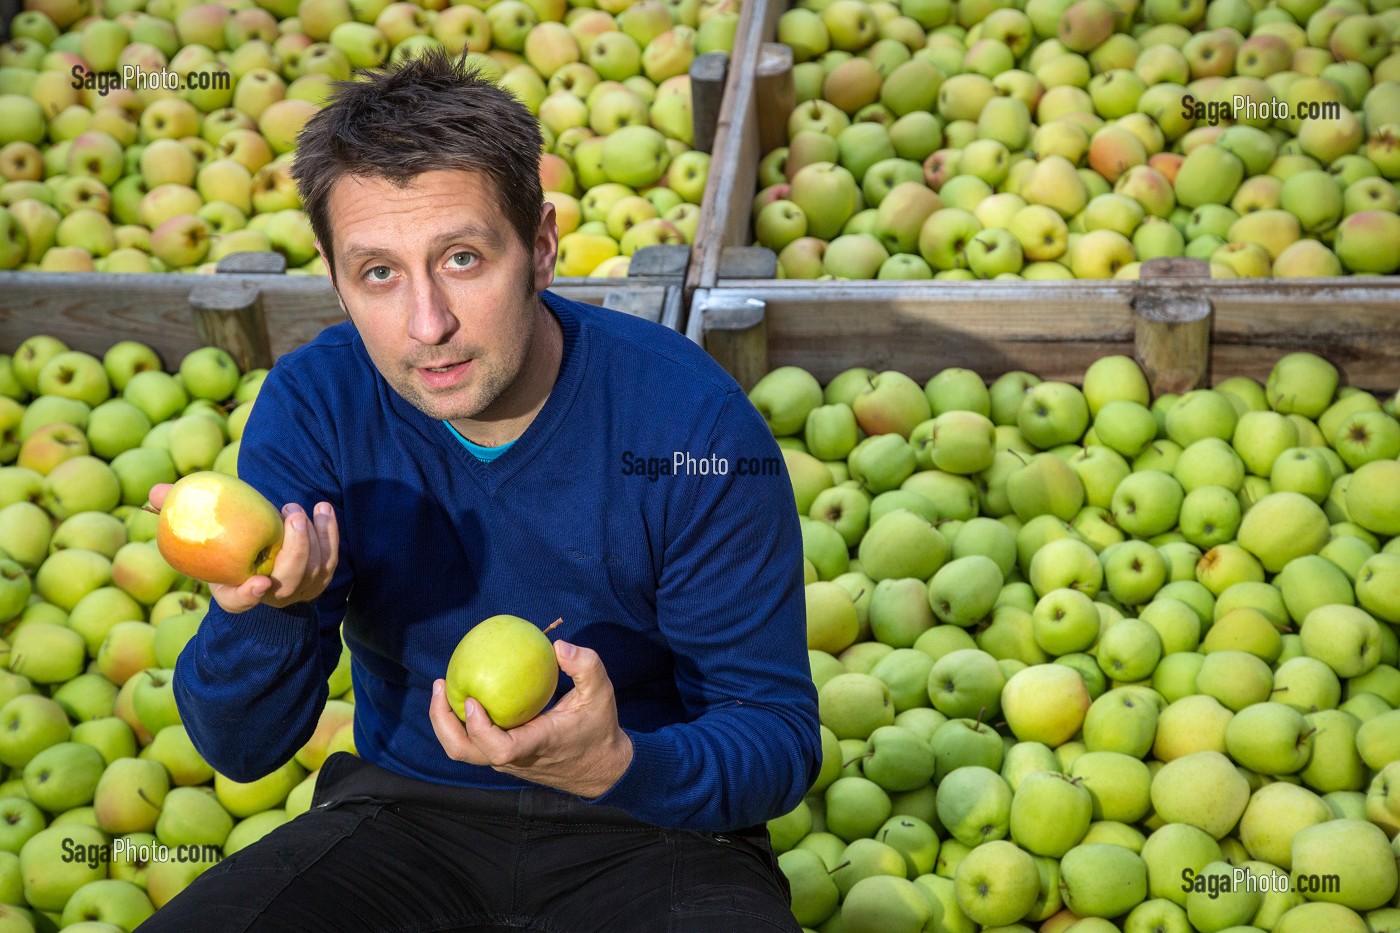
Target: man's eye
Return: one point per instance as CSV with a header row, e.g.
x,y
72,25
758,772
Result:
x,y
462,260
379,273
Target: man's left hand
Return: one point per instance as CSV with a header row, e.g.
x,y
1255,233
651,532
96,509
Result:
x,y
576,746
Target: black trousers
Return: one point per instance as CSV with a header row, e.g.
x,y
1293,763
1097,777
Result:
x,y
381,853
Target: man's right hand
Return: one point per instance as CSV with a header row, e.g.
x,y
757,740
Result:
x,y
304,566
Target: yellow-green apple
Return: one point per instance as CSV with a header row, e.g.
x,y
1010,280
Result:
x,y
996,883
59,860
1102,880
245,798
1173,852
1269,738
507,665
1363,241
1274,816
1344,637
890,402
1049,792
779,223
1354,851
1282,526
785,397
1202,789
129,795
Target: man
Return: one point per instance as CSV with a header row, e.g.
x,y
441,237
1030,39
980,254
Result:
x,y
469,444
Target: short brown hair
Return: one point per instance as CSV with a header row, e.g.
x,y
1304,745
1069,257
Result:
x,y
431,113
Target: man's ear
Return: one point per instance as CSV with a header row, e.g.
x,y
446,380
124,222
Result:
x,y
546,247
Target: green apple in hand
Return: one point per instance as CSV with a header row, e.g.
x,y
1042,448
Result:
x,y
506,664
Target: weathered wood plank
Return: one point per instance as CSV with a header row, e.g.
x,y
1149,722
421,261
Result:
x,y
93,311
724,217
1057,329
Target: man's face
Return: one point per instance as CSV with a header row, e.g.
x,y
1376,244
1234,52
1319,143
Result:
x,y
442,291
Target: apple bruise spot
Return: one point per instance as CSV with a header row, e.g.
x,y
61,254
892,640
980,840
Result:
x,y
195,518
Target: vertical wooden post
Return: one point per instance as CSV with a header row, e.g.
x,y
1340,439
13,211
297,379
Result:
x,y
706,94
8,9
1172,321
775,95
229,314
734,331
748,262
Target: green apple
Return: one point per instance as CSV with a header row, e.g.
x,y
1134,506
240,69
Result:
x,y
1269,738
1344,637
1120,721
1302,382
1170,853
785,397
997,883
960,743
1283,526
1354,850
1370,499
974,805
57,861
1045,703
1050,813
1202,789
1102,880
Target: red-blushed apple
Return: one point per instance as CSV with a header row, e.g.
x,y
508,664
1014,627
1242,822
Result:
x,y
218,529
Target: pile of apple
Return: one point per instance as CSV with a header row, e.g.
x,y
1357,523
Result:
x,y
1088,660
96,176
1056,139
97,768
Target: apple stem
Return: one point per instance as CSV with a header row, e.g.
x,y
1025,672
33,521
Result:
x,y
555,624
150,508
847,764
845,864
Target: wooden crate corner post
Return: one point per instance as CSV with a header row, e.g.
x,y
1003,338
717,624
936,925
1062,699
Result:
x,y
732,328
707,76
775,95
228,312
1171,321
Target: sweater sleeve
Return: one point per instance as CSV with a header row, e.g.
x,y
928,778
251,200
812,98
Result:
x,y
250,686
731,606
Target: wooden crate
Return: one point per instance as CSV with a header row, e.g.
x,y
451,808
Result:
x,y
93,310
256,316
1186,329
751,321
738,138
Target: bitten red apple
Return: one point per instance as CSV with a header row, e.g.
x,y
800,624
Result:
x,y
217,528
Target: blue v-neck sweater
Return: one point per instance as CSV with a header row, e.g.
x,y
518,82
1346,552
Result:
x,y
687,584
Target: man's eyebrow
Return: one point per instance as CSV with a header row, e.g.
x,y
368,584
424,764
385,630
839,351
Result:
x,y
470,231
